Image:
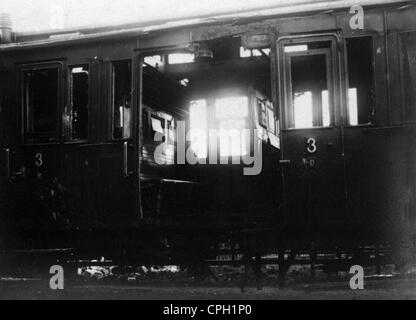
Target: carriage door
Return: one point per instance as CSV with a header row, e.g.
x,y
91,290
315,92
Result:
x,y
36,162
312,150
118,156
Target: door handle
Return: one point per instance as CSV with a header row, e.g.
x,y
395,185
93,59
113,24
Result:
x,y
285,162
125,159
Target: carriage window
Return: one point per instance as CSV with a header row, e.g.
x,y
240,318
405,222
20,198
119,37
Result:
x,y
296,48
199,126
408,43
154,61
326,114
247,53
180,58
79,88
121,100
231,114
303,109
360,75
41,104
309,100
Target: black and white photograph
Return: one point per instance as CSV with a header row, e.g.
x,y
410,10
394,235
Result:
x,y
197,152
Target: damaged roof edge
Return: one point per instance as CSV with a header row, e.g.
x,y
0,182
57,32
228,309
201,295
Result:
x,y
79,35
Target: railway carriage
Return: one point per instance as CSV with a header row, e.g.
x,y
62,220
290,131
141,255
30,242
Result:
x,y
94,127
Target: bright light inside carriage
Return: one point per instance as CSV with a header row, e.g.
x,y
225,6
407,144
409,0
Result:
x,y
233,141
232,107
199,127
232,113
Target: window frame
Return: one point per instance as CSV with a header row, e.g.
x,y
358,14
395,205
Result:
x,y
401,75
24,108
288,85
336,67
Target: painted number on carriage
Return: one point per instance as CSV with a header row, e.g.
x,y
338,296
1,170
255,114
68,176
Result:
x,y
311,145
39,159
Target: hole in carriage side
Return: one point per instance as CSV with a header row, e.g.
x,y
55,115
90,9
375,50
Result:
x,y
204,108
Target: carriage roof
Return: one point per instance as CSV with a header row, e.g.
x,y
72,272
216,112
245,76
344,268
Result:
x,y
282,9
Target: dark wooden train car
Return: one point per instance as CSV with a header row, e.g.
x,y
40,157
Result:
x,y
92,125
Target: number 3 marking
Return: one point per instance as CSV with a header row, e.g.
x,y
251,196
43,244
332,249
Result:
x,y
39,160
312,148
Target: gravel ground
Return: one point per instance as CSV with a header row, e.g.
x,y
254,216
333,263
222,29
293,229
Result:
x,y
172,283
36,289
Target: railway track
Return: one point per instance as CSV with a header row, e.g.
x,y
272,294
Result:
x,y
229,267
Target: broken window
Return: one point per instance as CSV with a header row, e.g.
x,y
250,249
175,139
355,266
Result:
x,y
309,102
154,61
121,79
41,101
216,90
247,53
79,93
360,78
408,45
